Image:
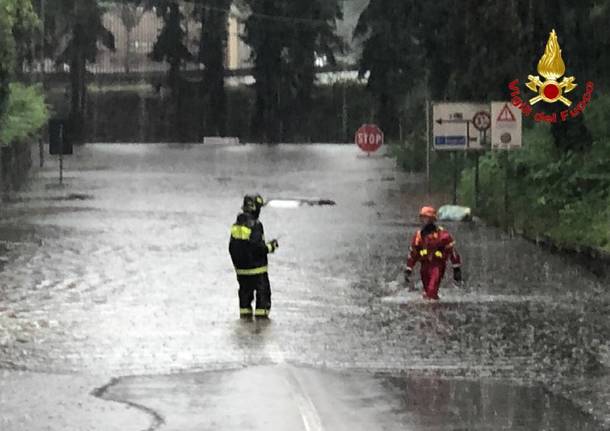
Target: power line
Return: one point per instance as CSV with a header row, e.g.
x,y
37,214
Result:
x,y
280,18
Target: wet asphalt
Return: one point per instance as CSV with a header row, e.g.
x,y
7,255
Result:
x,y
118,304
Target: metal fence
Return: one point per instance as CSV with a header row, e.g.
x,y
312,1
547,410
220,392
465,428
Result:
x,y
135,32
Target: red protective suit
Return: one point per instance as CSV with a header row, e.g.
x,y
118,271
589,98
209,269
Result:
x,y
432,247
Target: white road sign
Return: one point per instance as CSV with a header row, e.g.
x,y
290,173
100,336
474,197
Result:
x,y
506,126
454,126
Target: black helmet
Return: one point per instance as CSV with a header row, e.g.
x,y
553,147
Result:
x,y
253,204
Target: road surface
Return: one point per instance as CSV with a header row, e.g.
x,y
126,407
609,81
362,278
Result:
x,y
118,304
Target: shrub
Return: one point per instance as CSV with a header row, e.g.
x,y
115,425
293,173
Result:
x,y
562,195
26,113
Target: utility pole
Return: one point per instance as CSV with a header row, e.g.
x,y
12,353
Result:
x,y
428,137
42,71
428,184
344,110
42,34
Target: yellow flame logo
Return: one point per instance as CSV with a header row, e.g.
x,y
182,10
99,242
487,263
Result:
x,y
551,67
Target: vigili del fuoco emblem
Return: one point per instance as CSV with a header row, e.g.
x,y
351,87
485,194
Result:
x,y
551,67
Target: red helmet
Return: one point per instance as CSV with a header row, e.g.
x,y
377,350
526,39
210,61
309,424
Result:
x,y
428,212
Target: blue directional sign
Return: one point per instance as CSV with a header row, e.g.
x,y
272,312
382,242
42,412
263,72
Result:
x,y
450,141
458,126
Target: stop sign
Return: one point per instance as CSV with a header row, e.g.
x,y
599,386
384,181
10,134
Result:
x,y
369,138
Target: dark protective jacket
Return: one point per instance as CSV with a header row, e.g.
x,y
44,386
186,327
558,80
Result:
x,y
247,246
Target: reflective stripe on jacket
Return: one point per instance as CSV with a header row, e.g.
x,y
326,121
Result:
x,y
436,247
247,246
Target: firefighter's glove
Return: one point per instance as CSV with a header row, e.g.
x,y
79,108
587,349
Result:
x,y
408,273
272,246
457,275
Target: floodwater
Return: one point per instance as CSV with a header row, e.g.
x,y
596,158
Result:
x,y
121,279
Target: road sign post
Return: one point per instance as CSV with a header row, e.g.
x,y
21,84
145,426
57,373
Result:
x,y
59,143
482,122
455,177
61,154
369,138
506,191
506,134
477,184
455,127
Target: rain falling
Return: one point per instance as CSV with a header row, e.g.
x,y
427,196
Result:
x,y
316,215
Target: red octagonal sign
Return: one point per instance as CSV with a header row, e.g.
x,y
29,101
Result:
x,y
369,138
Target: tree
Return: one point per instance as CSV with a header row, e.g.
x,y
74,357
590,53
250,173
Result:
x,y
7,51
212,48
465,58
266,38
312,37
74,29
392,54
600,46
131,14
285,38
170,46
17,23
25,30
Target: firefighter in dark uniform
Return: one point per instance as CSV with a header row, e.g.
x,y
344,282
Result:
x,y
249,252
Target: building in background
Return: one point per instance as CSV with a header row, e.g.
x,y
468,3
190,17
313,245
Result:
x,y
136,30
238,52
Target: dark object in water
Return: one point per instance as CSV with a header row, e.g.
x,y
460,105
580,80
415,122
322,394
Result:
x,y
322,202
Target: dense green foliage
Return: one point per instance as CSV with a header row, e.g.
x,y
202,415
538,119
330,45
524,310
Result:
x,y
17,22
26,114
561,195
558,185
7,53
22,109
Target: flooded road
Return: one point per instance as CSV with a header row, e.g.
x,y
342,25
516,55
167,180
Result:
x,y
121,280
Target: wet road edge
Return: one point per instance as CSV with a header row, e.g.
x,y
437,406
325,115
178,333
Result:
x,y
157,421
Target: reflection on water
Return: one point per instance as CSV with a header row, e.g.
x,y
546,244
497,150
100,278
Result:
x,y
287,397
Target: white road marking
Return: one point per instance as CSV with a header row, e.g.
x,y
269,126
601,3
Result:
x,y
309,414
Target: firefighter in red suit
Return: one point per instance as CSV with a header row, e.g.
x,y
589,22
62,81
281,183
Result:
x,y
432,246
